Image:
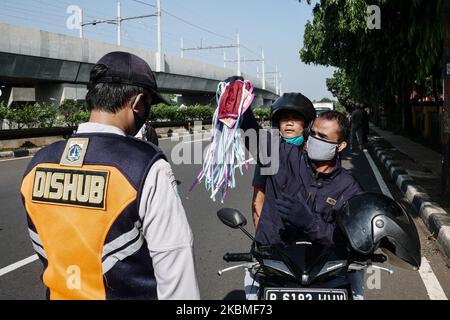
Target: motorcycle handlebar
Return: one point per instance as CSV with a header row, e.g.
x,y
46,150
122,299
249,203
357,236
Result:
x,y
378,258
238,257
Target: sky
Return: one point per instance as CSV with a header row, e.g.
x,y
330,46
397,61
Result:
x,y
275,26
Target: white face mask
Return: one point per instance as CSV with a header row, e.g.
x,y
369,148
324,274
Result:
x,y
321,150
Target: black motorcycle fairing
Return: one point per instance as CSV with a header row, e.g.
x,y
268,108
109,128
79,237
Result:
x,y
306,262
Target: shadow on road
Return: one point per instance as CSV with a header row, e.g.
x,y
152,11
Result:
x,y
235,295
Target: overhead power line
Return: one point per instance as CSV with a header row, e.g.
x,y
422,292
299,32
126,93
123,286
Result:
x,y
196,26
145,3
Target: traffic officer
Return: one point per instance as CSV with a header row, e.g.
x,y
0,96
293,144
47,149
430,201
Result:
x,y
104,214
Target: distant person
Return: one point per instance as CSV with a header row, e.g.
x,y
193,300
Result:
x,y
348,116
357,128
366,119
104,214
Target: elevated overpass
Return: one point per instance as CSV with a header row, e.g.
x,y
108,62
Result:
x,y
41,66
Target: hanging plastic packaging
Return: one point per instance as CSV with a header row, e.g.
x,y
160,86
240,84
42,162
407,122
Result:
x,y
227,150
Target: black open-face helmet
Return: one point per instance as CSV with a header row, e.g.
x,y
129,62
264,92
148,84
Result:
x,y
296,102
372,221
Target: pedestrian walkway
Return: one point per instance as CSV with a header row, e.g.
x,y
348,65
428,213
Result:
x,y
416,170
427,158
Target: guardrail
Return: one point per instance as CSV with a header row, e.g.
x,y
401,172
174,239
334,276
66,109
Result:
x,y
10,134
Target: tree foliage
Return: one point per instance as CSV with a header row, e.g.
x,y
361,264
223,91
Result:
x,y
376,65
74,112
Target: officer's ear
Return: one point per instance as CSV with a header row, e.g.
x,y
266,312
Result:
x,y
134,101
342,146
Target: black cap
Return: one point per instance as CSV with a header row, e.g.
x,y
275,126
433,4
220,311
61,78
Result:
x,y
127,68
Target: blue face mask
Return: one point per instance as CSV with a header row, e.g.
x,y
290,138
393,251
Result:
x,y
297,141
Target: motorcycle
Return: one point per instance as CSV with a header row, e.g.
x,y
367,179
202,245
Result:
x,y
308,271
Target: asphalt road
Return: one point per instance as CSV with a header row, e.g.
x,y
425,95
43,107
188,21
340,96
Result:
x,y
212,239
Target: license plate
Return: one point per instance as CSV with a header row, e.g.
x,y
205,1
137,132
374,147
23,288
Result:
x,y
304,294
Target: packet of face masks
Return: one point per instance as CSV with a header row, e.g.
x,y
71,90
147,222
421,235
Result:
x,y
227,151
234,100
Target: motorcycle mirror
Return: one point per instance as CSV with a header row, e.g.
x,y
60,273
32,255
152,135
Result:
x,y
231,217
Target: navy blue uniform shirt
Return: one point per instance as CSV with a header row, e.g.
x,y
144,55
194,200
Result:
x,y
324,195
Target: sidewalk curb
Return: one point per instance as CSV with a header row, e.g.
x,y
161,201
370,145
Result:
x,y
436,219
183,134
20,153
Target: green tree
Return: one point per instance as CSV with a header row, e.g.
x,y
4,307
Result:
x,y
23,115
74,112
3,111
45,115
262,113
339,86
325,99
376,66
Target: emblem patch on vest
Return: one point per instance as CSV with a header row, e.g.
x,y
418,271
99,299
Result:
x,y
331,201
80,188
74,153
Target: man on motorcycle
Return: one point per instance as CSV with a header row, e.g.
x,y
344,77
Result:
x,y
309,188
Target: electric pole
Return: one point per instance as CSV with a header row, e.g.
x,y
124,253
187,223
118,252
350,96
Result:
x,y
182,47
81,23
201,47
276,80
263,66
238,54
159,47
118,22
277,76
446,103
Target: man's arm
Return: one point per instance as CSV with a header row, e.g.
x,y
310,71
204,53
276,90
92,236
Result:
x,y
249,123
168,234
257,204
259,187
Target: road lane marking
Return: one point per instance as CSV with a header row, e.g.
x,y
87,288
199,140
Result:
x,y
18,264
384,188
434,289
18,158
432,285
204,139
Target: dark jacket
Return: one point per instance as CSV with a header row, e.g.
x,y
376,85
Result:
x,y
324,195
358,117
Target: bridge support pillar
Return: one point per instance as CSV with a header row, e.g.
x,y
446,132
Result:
x,y
58,92
16,95
258,101
267,102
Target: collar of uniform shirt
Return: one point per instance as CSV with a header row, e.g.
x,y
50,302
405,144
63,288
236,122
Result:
x,y
336,169
89,127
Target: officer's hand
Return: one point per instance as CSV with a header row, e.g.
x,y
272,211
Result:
x,y
293,211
